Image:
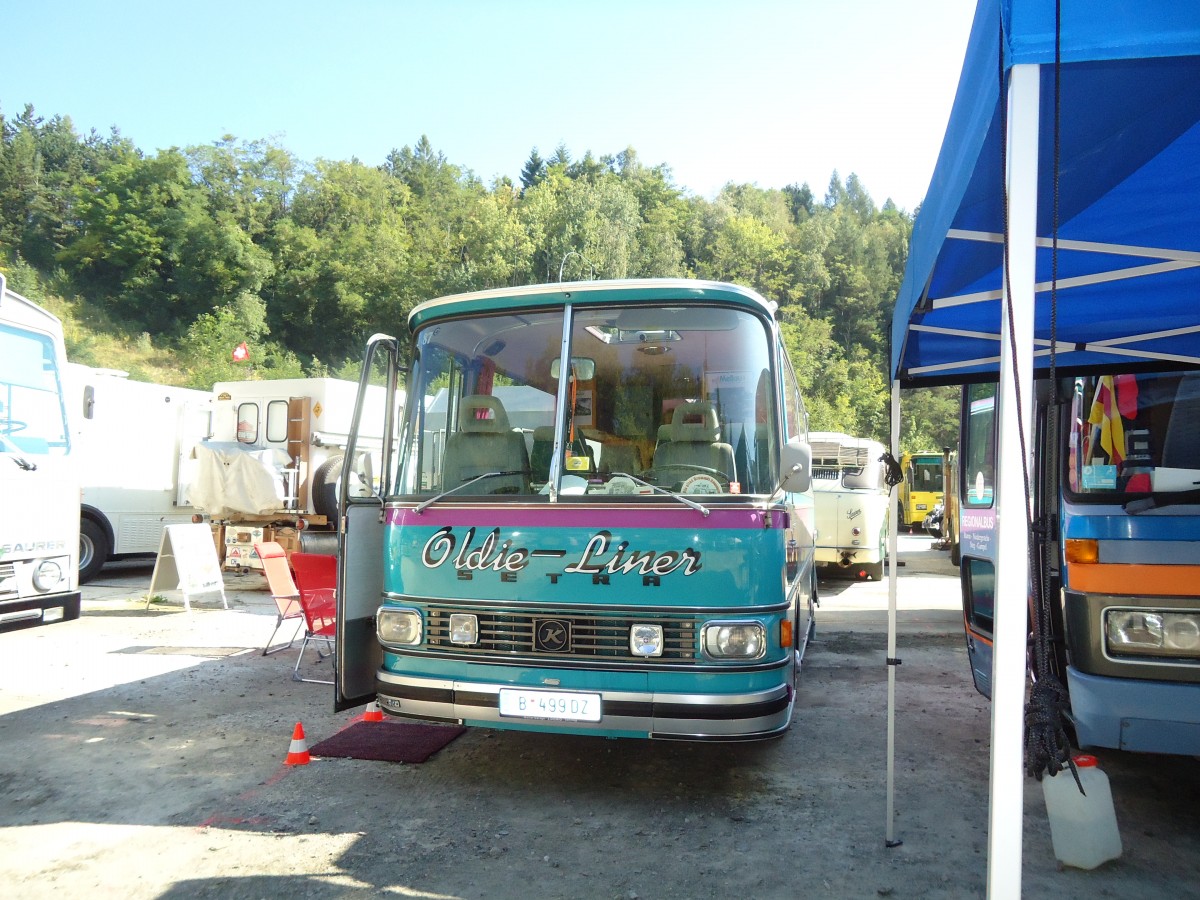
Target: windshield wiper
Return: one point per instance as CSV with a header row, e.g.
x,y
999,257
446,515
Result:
x,y
23,463
14,452
421,506
682,499
1160,500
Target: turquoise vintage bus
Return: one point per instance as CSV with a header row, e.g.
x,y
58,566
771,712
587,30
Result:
x,y
596,518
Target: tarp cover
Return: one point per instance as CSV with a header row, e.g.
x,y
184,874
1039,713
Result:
x,y
1128,186
232,478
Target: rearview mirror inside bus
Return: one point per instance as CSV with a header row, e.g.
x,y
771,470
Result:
x,y
584,368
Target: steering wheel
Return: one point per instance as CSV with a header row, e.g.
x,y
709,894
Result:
x,y
11,426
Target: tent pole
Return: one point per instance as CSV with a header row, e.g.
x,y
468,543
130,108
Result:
x,y
1006,803
893,543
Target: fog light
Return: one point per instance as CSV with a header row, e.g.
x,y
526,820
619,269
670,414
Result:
x,y
398,626
646,640
1152,632
734,640
464,628
47,575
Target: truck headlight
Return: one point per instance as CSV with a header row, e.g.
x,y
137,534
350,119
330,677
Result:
x,y
47,575
734,640
1141,632
398,626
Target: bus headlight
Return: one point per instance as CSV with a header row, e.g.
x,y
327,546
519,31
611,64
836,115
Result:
x,y
1140,632
47,575
646,640
734,640
398,626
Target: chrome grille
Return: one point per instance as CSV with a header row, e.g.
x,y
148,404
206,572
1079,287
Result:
x,y
592,636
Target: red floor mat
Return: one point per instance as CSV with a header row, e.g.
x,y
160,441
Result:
x,y
407,742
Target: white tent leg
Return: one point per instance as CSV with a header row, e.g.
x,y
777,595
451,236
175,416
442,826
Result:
x,y
893,557
1006,803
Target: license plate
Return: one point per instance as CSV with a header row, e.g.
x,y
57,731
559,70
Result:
x,y
921,506
567,706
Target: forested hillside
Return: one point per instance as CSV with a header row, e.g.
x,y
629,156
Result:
x,y
161,264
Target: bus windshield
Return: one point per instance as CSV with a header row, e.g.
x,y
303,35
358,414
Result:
x,y
32,418
1134,434
674,398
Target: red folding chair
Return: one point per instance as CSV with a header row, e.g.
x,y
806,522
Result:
x,y
283,591
316,579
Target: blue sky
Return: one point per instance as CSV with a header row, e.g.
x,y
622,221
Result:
x,y
749,91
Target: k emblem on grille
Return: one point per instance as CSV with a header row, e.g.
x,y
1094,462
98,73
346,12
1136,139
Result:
x,y
551,635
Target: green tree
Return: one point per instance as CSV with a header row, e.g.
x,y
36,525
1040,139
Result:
x,y
533,171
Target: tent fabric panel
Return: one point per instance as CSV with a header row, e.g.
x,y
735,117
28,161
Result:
x,y
1131,131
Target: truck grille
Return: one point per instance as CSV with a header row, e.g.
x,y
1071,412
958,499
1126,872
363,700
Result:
x,y
593,637
8,581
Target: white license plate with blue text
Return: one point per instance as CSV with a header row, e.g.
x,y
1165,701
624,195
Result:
x,y
567,706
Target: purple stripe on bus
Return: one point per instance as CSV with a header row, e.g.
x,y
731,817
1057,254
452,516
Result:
x,y
557,516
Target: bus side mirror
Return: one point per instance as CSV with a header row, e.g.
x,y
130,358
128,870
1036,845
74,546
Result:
x,y
796,464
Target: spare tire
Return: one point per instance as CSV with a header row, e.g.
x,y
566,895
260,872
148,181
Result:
x,y
325,483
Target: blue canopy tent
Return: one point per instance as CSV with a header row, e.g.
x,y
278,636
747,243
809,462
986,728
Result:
x,y
1129,193
1127,172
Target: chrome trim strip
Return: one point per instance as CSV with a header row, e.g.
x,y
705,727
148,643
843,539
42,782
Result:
x,y
568,609
592,664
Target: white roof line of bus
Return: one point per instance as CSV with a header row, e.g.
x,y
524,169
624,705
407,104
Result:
x,y
690,284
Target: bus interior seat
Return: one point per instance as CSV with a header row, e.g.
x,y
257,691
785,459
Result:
x,y
484,443
696,440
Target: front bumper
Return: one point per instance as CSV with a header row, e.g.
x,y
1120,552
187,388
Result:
x,y
698,717
1135,714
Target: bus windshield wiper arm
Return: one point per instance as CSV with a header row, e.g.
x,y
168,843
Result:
x,y
434,499
682,499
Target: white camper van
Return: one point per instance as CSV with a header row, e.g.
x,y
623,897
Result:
x,y
134,445
271,465
852,500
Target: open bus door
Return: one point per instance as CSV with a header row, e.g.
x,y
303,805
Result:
x,y
977,527
360,538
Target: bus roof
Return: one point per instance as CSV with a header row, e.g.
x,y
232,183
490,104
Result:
x,y
22,311
639,290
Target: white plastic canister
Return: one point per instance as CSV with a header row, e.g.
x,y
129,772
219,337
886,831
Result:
x,y
1083,827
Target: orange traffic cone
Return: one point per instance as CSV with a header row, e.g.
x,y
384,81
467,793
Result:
x,y
373,713
298,752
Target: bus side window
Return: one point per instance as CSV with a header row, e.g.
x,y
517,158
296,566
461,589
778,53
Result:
x,y
978,458
980,595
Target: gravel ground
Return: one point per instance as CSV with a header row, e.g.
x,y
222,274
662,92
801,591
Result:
x,y
141,755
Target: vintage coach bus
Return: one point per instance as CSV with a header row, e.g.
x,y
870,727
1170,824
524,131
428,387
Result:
x,y
597,517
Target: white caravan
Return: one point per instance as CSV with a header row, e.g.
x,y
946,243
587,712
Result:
x,y
271,465
39,487
852,500
134,443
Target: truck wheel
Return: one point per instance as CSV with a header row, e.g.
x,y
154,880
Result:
x,y
955,554
93,549
325,486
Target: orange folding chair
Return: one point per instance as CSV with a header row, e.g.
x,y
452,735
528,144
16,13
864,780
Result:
x,y
283,590
316,579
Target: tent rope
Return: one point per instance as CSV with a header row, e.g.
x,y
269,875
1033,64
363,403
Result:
x,y
1047,746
